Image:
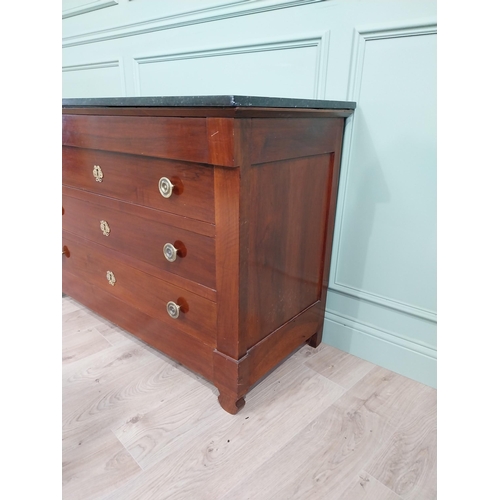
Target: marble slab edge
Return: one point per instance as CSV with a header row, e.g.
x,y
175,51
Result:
x,y
207,101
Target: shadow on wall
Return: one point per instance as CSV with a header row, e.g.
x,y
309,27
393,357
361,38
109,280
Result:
x,y
364,188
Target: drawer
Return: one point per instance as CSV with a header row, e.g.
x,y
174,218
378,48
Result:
x,y
113,225
103,268
163,137
136,179
184,348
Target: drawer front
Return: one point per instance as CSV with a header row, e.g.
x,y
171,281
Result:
x,y
185,349
103,268
143,239
136,179
163,137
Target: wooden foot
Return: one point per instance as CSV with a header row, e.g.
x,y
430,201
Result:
x,y
315,340
230,403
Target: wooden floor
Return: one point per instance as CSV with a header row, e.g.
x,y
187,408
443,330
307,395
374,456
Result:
x,y
323,425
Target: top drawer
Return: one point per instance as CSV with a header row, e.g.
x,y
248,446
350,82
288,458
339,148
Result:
x,y
163,137
136,179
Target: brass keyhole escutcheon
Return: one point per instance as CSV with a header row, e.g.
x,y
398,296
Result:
x,y
111,278
98,173
105,228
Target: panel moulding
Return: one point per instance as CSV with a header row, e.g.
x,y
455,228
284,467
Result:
x,y
88,7
404,358
381,334
319,41
114,63
90,66
215,12
360,37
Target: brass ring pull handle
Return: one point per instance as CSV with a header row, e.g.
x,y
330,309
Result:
x,y
97,172
105,228
170,252
165,187
111,278
173,310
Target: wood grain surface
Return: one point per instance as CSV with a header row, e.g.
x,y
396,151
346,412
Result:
x,y
218,112
149,294
133,178
254,240
173,138
285,241
275,139
323,425
142,238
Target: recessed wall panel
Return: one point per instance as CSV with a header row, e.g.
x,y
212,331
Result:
x,y
92,80
289,72
387,246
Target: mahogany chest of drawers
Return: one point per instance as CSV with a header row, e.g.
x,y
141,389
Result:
x,y
203,225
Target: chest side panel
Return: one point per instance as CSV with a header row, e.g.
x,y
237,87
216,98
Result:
x,y
285,234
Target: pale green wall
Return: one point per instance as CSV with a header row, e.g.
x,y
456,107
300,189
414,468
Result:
x,y
382,298
382,54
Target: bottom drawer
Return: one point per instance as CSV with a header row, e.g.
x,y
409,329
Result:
x,y
185,349
103,268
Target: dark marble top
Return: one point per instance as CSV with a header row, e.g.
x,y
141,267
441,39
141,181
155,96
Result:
x,y
208,100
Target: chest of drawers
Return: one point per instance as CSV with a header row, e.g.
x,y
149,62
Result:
x,y
203,225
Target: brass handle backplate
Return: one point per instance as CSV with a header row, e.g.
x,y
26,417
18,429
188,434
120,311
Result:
x,y
97,173
170,252
173,310
105,228
111,278
165,187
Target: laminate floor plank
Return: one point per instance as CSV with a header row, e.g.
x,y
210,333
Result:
x,y
100,370
103,391
366,487
109,405
75,317
78,319
95,371
306,352
340,367
150,436
392,396
93,365
219,450
323,425
320,461
115,335
102,465
69,305
406,463
81,344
